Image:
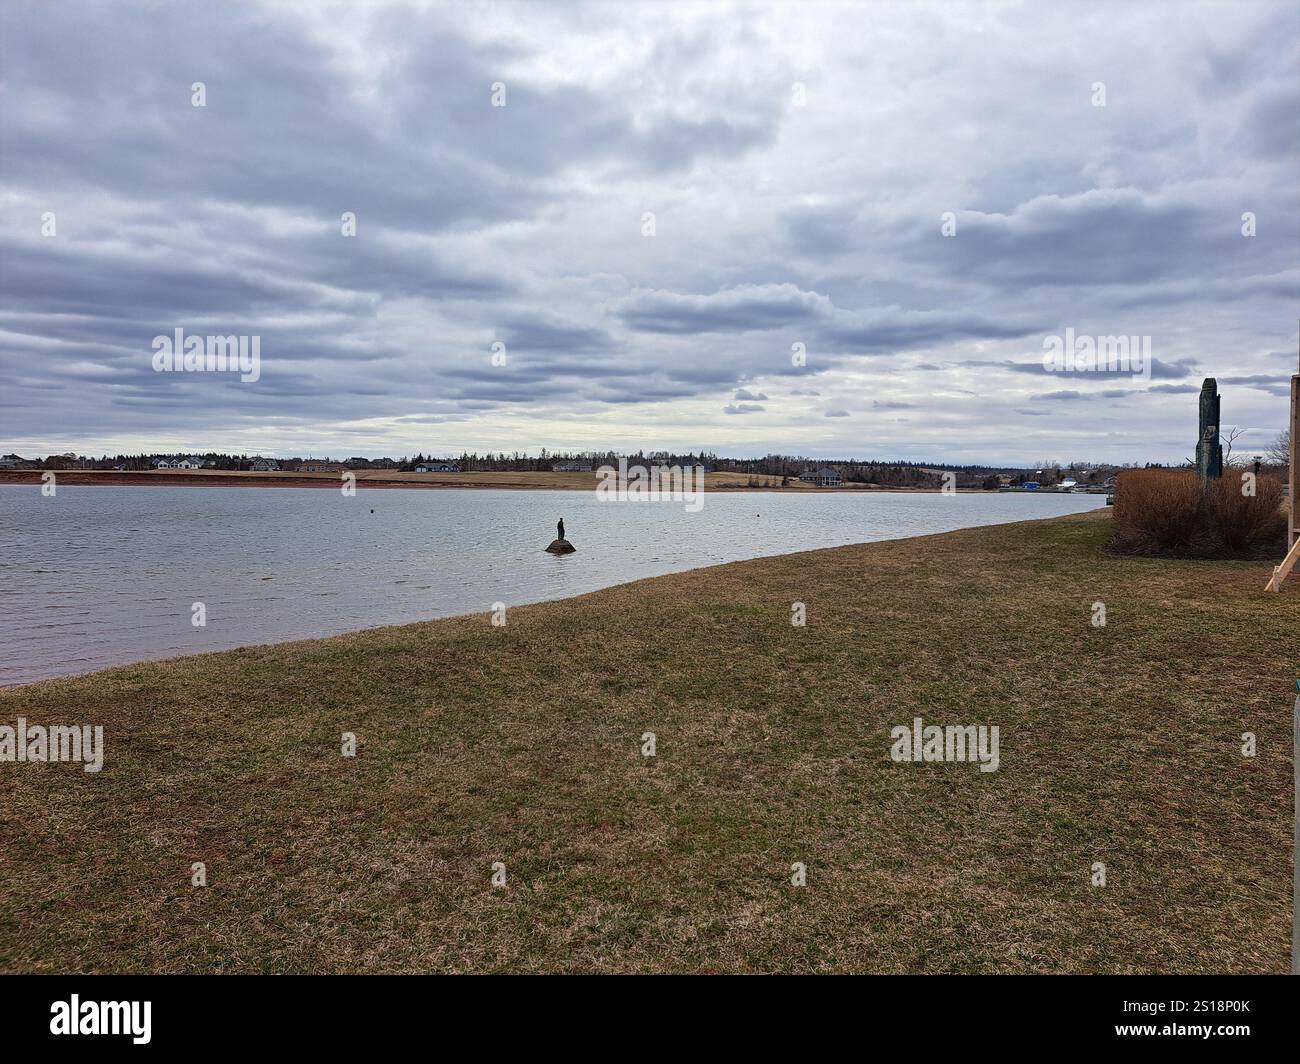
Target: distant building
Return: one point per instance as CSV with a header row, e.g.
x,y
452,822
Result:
x,y
573,466
822,478
437,467
11,461
265,465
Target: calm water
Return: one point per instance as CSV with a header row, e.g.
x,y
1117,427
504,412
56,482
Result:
x,y
103,576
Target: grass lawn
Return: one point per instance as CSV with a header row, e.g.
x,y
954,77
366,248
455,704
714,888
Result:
x,y
520,744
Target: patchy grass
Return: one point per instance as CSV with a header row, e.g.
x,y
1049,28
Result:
x,y
520,744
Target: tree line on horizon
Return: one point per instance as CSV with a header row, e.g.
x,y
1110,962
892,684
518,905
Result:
x,y
893,472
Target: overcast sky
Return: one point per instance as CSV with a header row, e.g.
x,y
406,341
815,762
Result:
x,y
797,162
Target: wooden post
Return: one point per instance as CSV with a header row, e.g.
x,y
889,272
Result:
x,y
1293,504
1293,525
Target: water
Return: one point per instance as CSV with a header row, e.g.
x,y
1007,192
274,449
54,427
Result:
x,y
100,576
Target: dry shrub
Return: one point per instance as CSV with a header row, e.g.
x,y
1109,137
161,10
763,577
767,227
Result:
x,y
1156,510
1166,511
1241,521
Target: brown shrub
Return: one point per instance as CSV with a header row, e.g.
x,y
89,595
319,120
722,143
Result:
x,y
1166,511
1241,521
1156,510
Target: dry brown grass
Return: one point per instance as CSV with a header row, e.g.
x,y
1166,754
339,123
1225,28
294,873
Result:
x,y
1169,512
1156,510
1241,521
520,744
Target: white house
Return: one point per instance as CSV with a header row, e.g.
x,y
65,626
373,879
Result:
x,y
266,465
437,467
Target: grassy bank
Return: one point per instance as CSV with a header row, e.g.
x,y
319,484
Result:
x,y
520,744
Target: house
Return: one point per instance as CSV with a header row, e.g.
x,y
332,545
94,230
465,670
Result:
x,y
162,463
822,478
437,467
316,465
265,465
575,466
11,461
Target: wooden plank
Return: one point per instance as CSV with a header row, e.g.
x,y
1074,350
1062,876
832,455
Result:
x,y
1283,570
1293,523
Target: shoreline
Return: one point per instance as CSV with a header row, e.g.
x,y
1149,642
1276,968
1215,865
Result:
x,y
522,746
5,686
389,480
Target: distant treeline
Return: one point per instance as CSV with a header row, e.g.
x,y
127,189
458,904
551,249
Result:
x,y
894,473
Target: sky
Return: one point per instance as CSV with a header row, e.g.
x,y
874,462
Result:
x,y
828,230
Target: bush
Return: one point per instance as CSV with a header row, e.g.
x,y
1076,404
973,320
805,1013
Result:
x,y
1156,510
1166,511
1242,521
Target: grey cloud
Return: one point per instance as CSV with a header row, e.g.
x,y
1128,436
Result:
x,y
742,309
776,225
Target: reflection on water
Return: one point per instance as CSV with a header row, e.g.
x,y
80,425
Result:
x,y
100,576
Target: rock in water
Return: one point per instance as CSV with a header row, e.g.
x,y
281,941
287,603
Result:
x,y
561,546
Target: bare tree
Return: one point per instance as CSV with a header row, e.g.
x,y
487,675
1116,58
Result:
x,y
1279,451
1227,441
